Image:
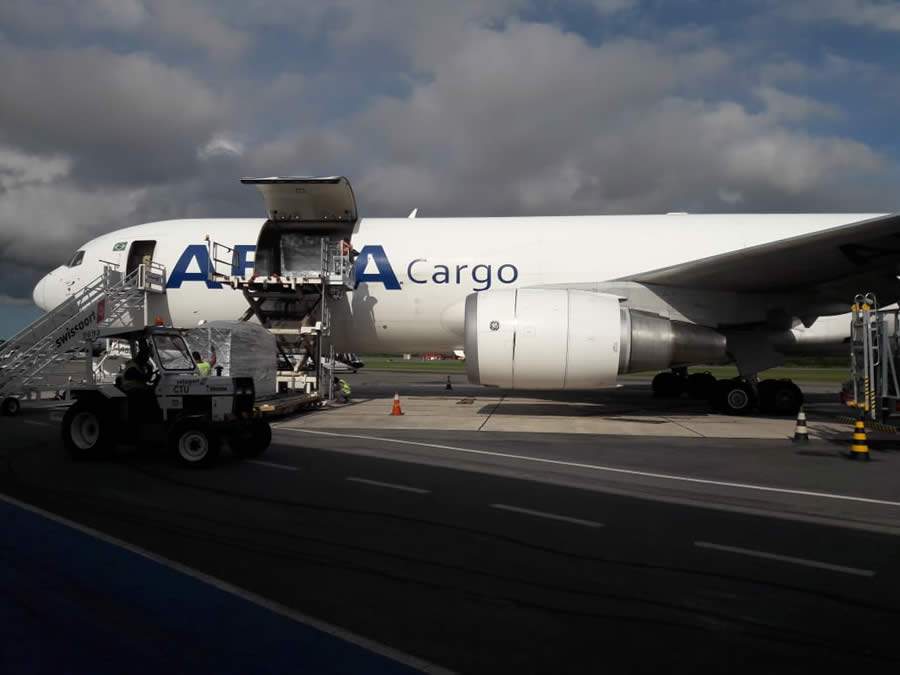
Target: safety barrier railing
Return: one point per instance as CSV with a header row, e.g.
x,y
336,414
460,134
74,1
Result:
x,y
222,260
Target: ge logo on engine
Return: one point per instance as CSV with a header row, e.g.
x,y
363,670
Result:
x,y
495,325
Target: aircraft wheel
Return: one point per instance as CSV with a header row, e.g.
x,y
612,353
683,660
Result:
x,y
779,397
701,385
87,430
668,385
11,406
193,443
733,397
252,441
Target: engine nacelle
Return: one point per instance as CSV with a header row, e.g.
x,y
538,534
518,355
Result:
x,y
533,338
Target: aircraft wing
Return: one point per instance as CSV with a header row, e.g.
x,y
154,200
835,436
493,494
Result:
x,y
866,251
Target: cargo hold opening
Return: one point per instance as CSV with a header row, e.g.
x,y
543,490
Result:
x,y
302,212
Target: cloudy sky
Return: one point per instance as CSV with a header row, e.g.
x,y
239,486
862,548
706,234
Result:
x,y
116,112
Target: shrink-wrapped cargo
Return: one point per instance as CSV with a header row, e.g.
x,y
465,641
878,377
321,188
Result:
x,y
240,348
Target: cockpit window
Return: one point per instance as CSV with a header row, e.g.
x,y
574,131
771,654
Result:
x,y
76,259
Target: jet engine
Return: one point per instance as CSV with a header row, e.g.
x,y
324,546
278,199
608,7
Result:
x,y
570,339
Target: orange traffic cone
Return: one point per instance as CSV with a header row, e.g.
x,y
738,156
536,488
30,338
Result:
x,y
395,410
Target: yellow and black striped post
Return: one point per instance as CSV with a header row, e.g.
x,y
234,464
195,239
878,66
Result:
x,y
859,446
801,433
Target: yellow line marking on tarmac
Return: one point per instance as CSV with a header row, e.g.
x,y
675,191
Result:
x,y
785,558
599,467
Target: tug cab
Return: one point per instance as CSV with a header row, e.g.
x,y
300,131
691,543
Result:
x,y
161,395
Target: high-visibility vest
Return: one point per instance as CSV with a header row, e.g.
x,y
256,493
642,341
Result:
x,y
345,387
204,368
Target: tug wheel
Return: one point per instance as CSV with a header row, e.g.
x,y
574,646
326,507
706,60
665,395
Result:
x,y
193,443
87,430
11,406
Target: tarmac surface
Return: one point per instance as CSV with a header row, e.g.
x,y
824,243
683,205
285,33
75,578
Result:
x,y
482,531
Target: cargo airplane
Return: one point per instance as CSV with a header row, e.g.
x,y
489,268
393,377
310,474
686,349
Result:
x,y
550,303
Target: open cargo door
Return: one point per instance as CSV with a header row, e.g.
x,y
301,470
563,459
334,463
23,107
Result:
x,y
328,200
307,215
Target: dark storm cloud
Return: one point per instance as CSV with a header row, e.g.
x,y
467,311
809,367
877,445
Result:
x,y
119,112
120,118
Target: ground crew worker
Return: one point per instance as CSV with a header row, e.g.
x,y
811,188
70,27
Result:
x,y
348,250
137,371
341,390
205,367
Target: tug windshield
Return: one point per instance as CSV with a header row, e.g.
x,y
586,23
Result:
x,y
173,352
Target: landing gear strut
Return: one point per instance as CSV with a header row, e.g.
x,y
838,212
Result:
x,y
771,397
736,396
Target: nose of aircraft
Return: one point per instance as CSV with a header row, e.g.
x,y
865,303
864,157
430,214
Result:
x,y
43,294
39,294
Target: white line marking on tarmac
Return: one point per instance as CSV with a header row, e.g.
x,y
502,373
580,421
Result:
x,y
543,514
608,469
35,423
285,467
786,558
287,612
392,486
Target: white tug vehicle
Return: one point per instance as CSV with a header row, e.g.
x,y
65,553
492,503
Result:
x,y
161,396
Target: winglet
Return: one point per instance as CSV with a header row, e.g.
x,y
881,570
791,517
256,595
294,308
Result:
x,y
412,214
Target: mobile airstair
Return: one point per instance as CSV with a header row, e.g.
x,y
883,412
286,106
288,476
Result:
x,y
31,361
302,268
874,350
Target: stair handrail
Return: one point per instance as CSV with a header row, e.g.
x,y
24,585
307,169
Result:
x,y
66,304
82,299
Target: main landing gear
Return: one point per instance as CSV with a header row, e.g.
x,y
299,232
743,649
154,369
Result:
x,y
736,396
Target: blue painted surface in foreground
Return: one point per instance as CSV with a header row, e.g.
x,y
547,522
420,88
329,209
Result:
x,y
70,603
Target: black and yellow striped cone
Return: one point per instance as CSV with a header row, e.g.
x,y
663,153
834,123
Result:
x,y
801,433
859,446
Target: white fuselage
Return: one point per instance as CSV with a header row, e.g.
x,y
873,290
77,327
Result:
x,y
437,263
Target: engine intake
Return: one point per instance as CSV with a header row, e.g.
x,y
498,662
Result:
x,y
570,339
